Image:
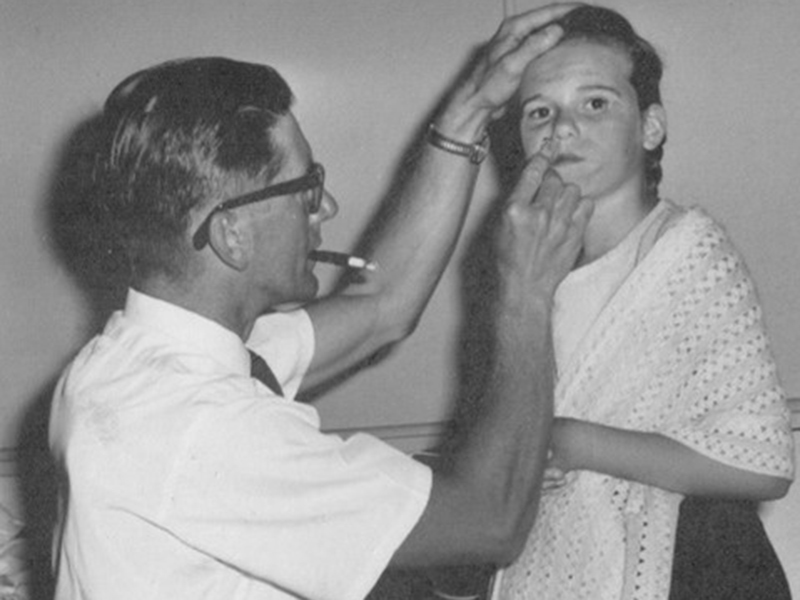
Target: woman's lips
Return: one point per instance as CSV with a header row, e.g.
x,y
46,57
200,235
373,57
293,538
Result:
x,y
566,159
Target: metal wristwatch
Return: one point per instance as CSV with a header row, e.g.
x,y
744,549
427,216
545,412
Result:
x,y
475,152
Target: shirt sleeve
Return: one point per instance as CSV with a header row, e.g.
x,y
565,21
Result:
x,y
262,489
286,341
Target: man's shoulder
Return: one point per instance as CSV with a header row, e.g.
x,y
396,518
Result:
x,y
120,351
126,367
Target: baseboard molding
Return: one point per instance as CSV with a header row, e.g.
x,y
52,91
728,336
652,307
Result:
x,y
408,437
415,437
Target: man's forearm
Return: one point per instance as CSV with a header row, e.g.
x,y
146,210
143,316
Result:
x,y
507,450
486,482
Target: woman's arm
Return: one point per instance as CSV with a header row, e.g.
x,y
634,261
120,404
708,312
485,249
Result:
x,y
656,460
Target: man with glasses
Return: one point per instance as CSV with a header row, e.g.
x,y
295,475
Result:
x,y
313,182
189,470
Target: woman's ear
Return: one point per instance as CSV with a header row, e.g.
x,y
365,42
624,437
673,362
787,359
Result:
x,y
230,240
654,127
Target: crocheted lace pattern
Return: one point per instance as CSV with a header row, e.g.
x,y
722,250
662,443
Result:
x,y
680,349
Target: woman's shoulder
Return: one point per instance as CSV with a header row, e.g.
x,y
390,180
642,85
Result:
x,y
692,223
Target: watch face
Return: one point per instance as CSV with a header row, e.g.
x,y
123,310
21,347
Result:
x,y
480,150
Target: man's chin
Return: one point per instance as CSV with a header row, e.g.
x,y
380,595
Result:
x,y
310,289
303,295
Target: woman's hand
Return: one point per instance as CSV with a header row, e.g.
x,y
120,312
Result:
x,y
553,479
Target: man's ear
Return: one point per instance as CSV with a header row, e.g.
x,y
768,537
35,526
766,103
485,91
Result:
x,y
230,240
654,126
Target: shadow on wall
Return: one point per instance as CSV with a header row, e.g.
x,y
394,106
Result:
x,y
84,246
80,238
38,486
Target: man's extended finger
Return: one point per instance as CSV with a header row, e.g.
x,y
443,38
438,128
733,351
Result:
x,y
530,180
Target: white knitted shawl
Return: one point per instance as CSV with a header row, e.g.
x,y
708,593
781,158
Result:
x,y
680,349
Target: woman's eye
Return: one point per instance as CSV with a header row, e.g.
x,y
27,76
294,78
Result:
x,y
597,104
538,114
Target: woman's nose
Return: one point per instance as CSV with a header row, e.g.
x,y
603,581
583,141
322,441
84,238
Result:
x,y
564,125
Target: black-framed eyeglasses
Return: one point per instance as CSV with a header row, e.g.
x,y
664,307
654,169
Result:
x,y
314,180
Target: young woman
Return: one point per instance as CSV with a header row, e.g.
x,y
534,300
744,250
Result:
x,y
666,384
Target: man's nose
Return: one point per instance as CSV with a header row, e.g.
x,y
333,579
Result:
x,y
328,207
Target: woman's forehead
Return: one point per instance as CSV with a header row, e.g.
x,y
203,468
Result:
x,y
578,59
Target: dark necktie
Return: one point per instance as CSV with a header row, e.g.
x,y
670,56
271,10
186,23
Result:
x,y
261,371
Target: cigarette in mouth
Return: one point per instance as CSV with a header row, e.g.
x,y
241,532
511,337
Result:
x,y
342,260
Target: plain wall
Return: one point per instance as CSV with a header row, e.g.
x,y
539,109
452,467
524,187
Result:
x,y
366,73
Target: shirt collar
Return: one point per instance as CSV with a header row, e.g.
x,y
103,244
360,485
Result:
x,y
196,333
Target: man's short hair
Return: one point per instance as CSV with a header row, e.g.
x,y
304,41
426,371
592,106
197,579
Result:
x,y
179,134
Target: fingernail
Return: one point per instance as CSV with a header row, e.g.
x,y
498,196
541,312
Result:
x,y
553,31
549,147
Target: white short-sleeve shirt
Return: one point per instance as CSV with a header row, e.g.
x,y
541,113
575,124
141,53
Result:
x,y
186,478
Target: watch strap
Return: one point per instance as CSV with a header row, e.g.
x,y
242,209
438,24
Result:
x,y
475,152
